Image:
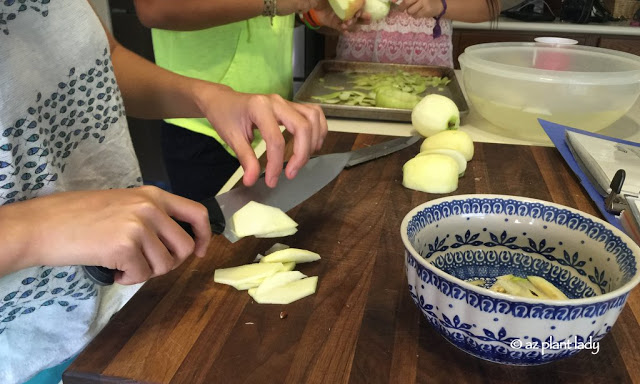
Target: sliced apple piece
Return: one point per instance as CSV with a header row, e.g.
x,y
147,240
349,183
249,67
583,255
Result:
x,y
456,155
286,232
458,140
275,247
547,288
288,266
433,173
279,279
246,273
259,219
296,255
288,293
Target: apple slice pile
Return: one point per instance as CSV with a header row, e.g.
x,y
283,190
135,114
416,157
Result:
x,y
272,280
534,287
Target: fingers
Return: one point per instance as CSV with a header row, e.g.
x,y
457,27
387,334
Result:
x,y
179,243
319,128
415,9
264,117
156,243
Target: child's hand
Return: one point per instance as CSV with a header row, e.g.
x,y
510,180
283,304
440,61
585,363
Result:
x,y
329,19
234,116
420,8
130,230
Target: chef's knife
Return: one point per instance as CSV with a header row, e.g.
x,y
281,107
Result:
x,y
318,172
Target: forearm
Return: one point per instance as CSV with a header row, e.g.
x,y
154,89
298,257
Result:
x,y
189,15
151,92
15,236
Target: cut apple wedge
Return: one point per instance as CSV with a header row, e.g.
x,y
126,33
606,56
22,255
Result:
x,y
286,232
255,219
547,288
432,173
295,255
287,293
255,283
246,273
275,247
455,155
277,280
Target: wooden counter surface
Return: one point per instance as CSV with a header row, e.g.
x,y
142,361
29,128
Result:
x,y
361,326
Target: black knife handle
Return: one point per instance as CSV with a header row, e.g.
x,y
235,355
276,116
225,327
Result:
x,y
105,276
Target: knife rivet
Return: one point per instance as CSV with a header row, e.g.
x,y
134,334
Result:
x,y
283,315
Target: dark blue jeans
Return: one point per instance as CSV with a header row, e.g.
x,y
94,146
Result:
x,y
197,165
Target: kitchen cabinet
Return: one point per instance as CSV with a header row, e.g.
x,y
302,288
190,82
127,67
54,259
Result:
x,y
621,43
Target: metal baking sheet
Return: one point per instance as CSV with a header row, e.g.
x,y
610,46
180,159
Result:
x,y
335,73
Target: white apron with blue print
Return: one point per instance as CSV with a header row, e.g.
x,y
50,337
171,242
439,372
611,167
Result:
x,y
62,127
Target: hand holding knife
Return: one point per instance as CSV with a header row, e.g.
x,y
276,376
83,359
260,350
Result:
x,y
317,173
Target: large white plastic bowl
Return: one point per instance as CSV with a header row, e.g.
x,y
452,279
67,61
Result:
x,y
513,84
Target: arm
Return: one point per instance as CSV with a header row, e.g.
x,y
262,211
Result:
x,y
129,230
471,11
152,92
190,15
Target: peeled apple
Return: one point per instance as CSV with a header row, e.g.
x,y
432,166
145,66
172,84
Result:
x,y
435,113
378,9
433,173
455,155
345,9
457,140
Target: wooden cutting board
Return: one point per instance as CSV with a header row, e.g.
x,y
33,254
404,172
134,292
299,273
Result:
x,y
361,325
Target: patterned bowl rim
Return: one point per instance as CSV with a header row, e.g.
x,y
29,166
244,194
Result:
x,y
635,249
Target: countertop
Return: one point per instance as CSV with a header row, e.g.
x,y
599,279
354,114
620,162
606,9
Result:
x,y
361,326
507,24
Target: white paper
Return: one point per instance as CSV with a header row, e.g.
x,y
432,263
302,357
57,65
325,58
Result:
x,y
603,158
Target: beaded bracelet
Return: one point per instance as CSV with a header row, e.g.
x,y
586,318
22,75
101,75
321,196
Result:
x,y
437,30
270,9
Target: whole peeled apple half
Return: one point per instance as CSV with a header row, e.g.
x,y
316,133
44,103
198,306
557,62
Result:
x,y
435,113
345,9
377,9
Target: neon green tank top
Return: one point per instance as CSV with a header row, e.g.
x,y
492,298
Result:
x,y
250,56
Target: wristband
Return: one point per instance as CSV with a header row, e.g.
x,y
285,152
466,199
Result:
x,y
437,30
309,20
314,17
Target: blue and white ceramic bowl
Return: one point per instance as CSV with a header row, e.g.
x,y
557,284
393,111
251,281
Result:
x,y
457,239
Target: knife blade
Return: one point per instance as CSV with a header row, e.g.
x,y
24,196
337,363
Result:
x,y
317,173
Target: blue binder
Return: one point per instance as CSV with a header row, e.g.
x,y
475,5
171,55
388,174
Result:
x,y
556,133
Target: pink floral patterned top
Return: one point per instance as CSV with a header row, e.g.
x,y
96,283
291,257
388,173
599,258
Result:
x,y
399,38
